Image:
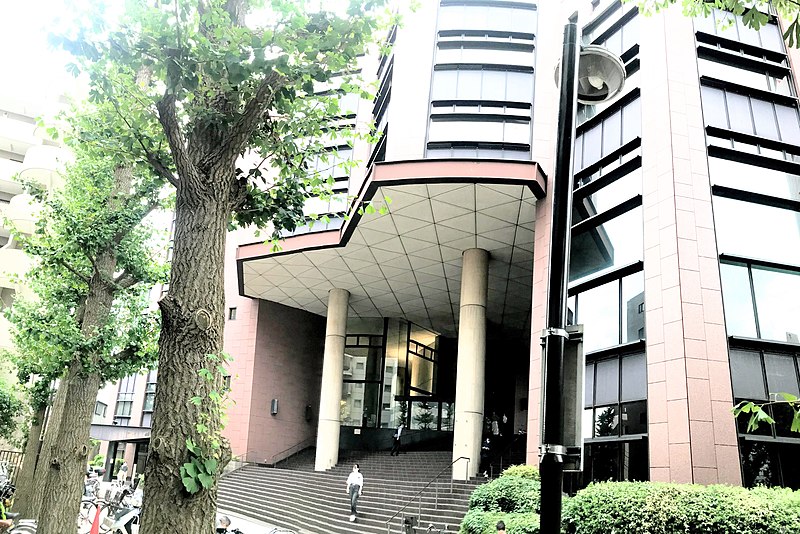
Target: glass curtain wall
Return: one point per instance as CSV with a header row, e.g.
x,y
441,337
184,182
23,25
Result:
x,y
391,374
606,292
750,110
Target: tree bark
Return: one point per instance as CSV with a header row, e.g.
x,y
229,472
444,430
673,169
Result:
x,y
192,328
25,477
65,473
50,437
63,485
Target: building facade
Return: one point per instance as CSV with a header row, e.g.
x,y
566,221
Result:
x,y
684,266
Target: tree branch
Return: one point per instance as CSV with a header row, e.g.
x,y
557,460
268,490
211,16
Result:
x,y
168,118
126,280
74,271
251,116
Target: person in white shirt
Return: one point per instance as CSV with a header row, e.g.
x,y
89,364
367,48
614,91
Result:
x,y
396,443
355,483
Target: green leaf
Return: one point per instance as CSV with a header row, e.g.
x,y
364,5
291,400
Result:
x,y
197,401
192,447
189,470
210,465
206,480
788,397
190,484
796,421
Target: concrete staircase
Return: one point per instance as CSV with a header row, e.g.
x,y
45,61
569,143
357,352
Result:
x,y
294,496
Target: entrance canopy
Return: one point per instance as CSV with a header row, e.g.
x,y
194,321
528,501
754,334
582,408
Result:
x,y
407,263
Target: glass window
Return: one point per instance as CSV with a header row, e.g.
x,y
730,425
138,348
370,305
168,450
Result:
x,y
614,243
634,417
444,84
763,115
588,386
748,382
519,87
788,122
714,107
607,382
777,303
612,129
634,377
592,145
739,112
755,178
610,195
757,231
359,406
633,324
606,421
598,311
781,374
631,121
740,317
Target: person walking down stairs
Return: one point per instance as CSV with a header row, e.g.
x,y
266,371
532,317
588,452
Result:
x,y
355,483
396,442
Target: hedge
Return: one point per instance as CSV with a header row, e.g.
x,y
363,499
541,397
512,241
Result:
x,y
507,494
660,508
524,471
482,522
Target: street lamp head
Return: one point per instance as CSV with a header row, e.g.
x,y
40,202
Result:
x,y
601,75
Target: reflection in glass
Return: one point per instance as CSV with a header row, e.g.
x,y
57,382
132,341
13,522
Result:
x,y
757,231
759,464
633,328
610,195
634,418
607,382
778,312
359,405
598,312
748,381
755,178
424,415
614,243
739,315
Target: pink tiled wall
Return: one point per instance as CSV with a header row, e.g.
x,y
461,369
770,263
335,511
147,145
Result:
x,y
545,118
240,342
692,434
288,367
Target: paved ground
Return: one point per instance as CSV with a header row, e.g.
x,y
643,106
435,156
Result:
x,y
251,526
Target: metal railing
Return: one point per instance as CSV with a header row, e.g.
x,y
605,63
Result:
x,y
505,453
418,495
288,452
10,463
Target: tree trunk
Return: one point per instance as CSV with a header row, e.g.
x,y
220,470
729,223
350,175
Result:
x,y
192,328
67,468
68,460
25,477
50,437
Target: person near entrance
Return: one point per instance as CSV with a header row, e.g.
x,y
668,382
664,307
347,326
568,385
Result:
x,y
396,442
355,483
122,474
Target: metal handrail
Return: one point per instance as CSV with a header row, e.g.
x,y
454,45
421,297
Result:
x,y
302,445
431,481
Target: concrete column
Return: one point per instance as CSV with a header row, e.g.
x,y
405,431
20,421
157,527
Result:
x,y
470,374
331,391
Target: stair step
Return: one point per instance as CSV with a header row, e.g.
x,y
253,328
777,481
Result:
x,y
295,496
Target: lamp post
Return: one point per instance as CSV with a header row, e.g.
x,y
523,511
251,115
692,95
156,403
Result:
x,y
590,76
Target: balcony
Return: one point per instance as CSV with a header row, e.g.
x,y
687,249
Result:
x,y
44,165
14,264
23,212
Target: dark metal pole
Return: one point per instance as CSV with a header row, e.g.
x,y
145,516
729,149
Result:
x,y
552,449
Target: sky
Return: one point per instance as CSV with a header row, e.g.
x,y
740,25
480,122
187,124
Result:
x,y
31,69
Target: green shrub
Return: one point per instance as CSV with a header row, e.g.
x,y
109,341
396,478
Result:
x,y
507,494
524,471
658,508
98,461
483,522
